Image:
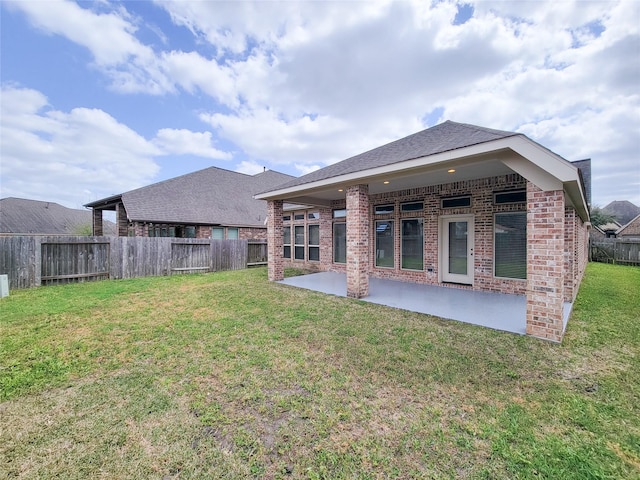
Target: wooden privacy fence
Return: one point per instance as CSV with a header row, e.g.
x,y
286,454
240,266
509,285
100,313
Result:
x,y
33,261
616,250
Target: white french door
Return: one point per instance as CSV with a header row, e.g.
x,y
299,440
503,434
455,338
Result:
x,y
456,249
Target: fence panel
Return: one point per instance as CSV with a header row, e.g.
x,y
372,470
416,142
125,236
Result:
x,y
31,260
616,250
190,257
627,253
66,260
257,253
17,261
229,254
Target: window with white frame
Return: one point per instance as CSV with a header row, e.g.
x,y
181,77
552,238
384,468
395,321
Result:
x,y
510,245
298,238
232,233
340,242
384,243
286,241
412,244
313,249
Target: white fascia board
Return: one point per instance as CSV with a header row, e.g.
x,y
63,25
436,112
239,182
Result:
x,y
532,172
548,171
399,167
544,158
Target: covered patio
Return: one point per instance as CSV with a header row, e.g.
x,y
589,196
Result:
x,y
498,311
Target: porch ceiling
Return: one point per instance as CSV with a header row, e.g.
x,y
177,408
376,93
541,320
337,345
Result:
x,y
465,169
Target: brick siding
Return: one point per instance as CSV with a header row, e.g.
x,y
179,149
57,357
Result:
x,y
557,243
546,263
358,252
274,240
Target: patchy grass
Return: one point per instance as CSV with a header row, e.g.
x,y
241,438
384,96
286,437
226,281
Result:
x,y
229,376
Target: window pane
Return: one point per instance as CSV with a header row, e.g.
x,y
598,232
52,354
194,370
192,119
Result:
x,y
412,207
510,245
384,243
383,209
299,235
342,213
299,252
232,233
217,233
286,218
286,240
412,244
172,231
314,253
456,202
340,242
458,247
314,234
313,216
298,216
190,232
518,196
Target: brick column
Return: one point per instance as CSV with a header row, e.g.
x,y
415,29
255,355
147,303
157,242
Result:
x,y
545,263
358,241
98,230
274,240
122,224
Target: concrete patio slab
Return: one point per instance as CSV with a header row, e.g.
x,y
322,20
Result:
x,y
493,310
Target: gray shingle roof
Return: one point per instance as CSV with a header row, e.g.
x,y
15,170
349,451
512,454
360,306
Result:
x,y
213,196
584,167
20,215
444,137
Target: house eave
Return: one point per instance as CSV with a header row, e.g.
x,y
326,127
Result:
x,y
518,153
406,166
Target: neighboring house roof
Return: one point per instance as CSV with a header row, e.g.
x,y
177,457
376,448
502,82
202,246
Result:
x,y
213,196
24,216
424,158
614,226
623,210
631,229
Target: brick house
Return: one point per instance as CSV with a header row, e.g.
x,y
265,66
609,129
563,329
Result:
x,y
630,231
455,205
209,203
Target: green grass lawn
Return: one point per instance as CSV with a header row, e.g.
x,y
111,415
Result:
x,y
226,375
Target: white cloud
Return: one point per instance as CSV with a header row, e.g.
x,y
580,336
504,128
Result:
x,y
249,167
48,154
305,84
185,142
110,37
